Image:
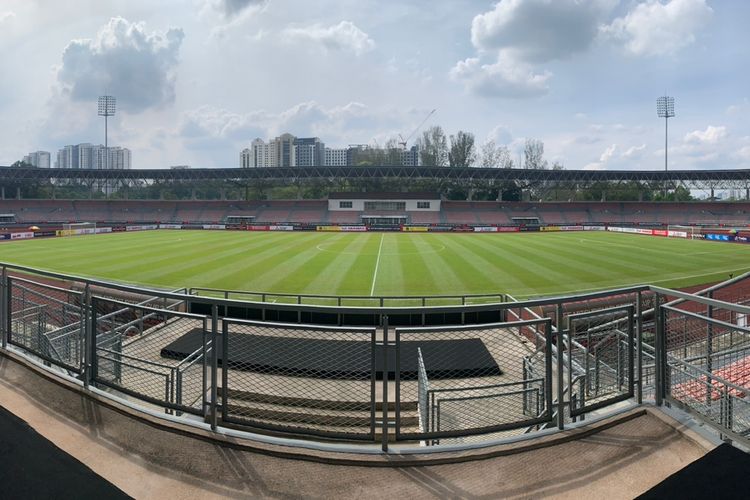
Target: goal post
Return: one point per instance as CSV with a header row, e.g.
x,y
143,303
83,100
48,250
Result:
x,y
680,231
78,228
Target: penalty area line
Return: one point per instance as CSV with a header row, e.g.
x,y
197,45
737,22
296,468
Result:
x,y
377,264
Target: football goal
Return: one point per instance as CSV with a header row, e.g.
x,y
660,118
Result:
x,y
678,231
76,228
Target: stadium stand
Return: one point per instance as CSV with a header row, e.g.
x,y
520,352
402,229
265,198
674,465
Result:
x,y
315,211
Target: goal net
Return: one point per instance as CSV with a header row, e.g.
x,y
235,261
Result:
x,y
677,231
77,228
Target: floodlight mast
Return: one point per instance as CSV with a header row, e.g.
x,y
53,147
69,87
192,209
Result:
x,y
665,109
107,105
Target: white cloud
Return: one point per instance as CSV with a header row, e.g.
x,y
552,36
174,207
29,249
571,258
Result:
x,y
344,36
539,30
711,135
634,152
233,8
6,16
137,66
654,28
505,78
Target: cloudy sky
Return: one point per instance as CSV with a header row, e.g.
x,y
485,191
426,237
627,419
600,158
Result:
x,y
197,80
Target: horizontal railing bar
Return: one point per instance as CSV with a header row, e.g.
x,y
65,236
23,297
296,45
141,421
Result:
x,y
706,319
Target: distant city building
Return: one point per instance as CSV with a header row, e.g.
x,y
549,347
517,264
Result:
x,y
336,157
410,157
246,158
38,159
290,151
285,150
308,152
90,156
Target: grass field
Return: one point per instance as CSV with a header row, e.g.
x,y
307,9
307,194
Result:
x,y
522,264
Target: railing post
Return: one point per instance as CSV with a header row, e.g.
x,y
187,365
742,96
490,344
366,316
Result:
x,y
384,437
710,348
659,368
89,337
639,338
560,373
214,363
4,299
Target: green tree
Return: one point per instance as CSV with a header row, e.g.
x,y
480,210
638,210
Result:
x,y
462,151
433,147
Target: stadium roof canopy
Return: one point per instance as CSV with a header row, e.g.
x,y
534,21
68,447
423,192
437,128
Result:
x,y
691,179
414,195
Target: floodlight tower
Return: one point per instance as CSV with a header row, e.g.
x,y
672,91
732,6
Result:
x,y
107,105
665,109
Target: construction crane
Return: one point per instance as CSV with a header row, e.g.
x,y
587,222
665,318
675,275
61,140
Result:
x,y
403,141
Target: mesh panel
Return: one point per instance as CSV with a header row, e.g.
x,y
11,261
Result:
x,y
134,353
47,321
318,381
471,380
600,347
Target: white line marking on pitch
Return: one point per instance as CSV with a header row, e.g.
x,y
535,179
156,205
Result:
x,y
377,264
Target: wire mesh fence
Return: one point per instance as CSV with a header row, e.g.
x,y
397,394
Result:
x,y
296,379
459,381
454,384
156,355
47,321
600,347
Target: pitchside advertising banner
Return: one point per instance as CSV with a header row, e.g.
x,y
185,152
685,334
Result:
x,y
214,226
353,229
170,226
145,227
648,232
77,232
721,237
281,228
415,229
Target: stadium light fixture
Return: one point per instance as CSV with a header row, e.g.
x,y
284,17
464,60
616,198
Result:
x,y
107,106
665,109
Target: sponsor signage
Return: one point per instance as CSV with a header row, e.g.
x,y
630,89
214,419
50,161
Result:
x,y
356,229
550,228
281,228
415,229
257,228
594,228
146,227
720,237
21,236
170,226
440,229
485,229
214,226
508,229
660,232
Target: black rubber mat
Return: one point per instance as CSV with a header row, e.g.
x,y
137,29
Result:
x,y
33,467
342,359
721,473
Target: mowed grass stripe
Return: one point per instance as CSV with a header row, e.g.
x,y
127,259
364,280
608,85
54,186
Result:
x,y
460,264
326,270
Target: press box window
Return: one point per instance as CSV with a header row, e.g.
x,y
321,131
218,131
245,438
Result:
x,y
345,204
423,204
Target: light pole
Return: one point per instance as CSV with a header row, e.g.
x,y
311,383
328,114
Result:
x,y
665,109
107,105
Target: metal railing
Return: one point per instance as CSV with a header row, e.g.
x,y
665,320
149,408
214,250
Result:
x,y
488,372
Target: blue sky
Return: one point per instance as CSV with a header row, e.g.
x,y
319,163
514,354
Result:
x,y
197,80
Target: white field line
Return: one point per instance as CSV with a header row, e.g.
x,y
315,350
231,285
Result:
x,y
377,264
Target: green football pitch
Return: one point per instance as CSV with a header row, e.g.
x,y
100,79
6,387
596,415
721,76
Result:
x,y
522,264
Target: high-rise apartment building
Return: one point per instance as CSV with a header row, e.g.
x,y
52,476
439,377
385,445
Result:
x,y
90,156
39,159
336,157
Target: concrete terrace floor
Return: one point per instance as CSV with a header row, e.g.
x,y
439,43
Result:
x,y
145,461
